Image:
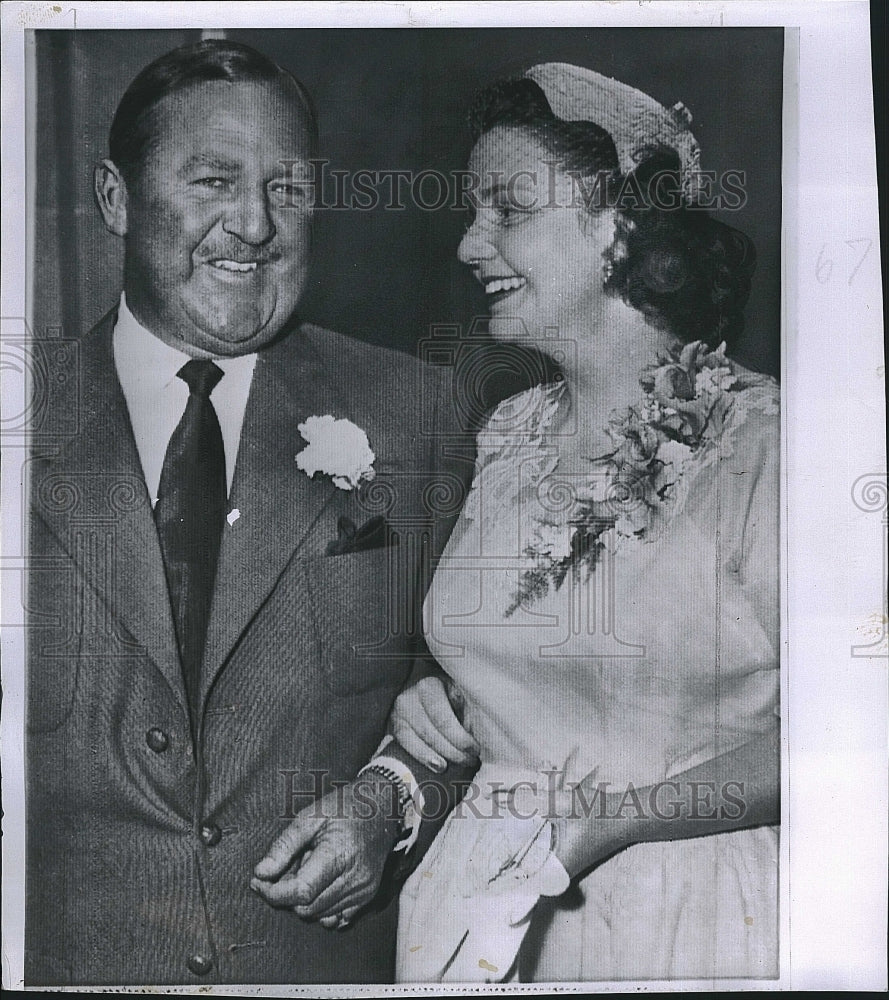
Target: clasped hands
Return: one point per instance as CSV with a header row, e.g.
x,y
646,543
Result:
x,y
327,864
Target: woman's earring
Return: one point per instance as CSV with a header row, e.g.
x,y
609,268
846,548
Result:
x,y
608,270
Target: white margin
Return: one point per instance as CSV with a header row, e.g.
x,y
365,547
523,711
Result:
x,y
834,768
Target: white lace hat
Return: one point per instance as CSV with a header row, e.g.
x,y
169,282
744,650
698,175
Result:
x,y
636,122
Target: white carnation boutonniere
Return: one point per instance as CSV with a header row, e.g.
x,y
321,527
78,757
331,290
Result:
x,y
336,448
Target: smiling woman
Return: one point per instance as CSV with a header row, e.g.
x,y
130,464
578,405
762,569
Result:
x,y
607,607
528,251
686,272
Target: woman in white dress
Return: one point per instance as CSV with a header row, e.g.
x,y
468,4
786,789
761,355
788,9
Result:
x,y
606,611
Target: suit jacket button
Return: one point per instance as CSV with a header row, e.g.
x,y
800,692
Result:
x,y
200,965
157,739
211,834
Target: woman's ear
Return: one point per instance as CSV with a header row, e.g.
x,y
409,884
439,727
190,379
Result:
x,y
110,191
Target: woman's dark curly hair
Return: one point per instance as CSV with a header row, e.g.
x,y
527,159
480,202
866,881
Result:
x,y
685,271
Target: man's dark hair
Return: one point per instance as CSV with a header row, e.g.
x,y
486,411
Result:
x,y
211,59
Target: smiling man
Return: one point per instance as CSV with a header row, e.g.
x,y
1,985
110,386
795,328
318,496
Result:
x,y
214,638
217,236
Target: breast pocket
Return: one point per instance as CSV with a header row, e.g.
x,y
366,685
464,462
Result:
x,y
363,606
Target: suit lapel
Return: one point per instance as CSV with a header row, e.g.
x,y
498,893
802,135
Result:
x,y
277,503
101,467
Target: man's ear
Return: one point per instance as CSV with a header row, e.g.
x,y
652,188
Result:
x,y
110,190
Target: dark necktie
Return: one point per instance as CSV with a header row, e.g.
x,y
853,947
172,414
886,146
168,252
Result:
x,y
189,515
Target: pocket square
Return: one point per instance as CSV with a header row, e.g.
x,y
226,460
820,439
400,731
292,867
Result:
x,y
373,534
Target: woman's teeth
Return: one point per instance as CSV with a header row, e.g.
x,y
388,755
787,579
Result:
x,y
234,265
503,285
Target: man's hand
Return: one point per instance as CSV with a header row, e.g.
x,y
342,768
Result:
x,y
424,722
327,864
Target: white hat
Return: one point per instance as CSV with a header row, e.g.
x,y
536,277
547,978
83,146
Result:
x,y
636,122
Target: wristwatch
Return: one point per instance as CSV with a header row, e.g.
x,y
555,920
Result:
x,y
396,773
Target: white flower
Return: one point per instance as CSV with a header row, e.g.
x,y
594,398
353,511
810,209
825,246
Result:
x,y
551,540
652,411
714,379
625,527
673,453
337,448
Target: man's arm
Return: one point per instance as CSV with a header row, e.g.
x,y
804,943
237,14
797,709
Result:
x,y
329,862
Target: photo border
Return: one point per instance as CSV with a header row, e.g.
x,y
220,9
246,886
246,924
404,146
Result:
x,y
834,701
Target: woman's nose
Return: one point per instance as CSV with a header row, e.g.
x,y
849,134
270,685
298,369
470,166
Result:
x,y
474,247
250,218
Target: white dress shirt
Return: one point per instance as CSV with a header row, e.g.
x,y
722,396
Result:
x,y
156,398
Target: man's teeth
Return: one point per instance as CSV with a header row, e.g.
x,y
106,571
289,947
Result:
x,y
234,265
503,284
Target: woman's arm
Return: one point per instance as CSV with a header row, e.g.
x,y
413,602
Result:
x,y
736,790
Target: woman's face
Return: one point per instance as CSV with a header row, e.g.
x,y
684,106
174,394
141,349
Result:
x,y
532,246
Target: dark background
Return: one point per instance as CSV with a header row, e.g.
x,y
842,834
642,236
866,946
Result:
x,y
396,99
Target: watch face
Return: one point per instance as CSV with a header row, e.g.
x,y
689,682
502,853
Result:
x,y
404,794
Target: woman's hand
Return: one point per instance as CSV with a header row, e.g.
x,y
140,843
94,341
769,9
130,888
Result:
x,y
425,723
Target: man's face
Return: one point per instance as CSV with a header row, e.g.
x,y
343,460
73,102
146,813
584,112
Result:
x,y
217,237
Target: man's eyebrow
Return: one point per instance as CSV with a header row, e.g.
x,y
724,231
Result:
x,y
493,189
500,189
214,160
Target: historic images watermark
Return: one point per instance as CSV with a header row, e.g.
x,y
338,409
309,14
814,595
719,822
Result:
x,y
315,184
550,798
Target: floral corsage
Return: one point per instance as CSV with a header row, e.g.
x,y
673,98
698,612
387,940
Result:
x,y
633,488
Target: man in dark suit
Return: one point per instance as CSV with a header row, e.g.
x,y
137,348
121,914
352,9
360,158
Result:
x,y
215,637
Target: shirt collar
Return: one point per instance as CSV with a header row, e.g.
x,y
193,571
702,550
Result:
x,y
144,360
